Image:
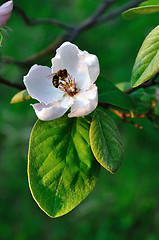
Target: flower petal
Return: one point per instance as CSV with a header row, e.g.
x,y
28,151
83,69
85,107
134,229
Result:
x,y
84,102
67,53
39,85
82,78
82,66
53,110
68,56
92,63
5,12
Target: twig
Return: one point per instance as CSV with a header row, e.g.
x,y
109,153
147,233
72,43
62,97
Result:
x,y
72,32
96,19
29,61
124,116
10,84
118,11
149,83
92,20
36,21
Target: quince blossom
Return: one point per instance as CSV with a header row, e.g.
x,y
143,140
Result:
x,y
5,12
68,84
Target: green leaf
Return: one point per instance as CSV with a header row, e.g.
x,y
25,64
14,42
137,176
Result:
x,y
147,61
138,11
20,97
123,86
149,2
109,93
62,170
106,141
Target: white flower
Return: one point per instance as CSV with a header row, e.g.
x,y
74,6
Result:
x,y
69,83
5,12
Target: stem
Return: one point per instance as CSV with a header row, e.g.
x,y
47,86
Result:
x,y
149,83
10,84
34,58
120,10
36,21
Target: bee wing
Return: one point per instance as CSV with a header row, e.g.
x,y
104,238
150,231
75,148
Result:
x,y
51,75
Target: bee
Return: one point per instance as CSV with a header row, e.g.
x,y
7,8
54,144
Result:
x,y
60,75
55,81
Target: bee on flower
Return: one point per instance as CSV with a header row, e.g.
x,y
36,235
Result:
x,y
68,84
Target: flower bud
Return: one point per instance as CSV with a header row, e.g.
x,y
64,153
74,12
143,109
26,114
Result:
x,y
5,12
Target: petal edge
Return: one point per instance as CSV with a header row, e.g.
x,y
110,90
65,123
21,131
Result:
x,y
53,110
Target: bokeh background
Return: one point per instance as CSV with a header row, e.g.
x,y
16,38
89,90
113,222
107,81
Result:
x,y
122,206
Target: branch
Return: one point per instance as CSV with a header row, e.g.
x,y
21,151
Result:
x,y
29,61
96,19
72,32
149,83
124,117
33,21
10,84
92,20
118,11
70,36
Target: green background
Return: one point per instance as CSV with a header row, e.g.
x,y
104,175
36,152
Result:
x,y
122,206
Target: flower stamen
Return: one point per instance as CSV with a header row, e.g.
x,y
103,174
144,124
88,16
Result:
x,y
65,82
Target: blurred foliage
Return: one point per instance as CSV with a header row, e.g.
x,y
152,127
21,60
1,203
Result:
x,y
122,206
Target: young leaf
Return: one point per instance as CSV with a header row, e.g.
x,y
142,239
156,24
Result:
x,y
20,97
149,2
147,61
109,93
106,141
138,11
62,170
